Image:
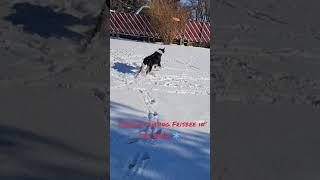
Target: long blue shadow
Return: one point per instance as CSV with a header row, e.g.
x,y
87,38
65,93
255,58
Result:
x,y
20,145
46,22
198,147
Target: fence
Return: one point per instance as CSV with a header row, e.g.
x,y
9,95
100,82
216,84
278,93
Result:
x,y
139,26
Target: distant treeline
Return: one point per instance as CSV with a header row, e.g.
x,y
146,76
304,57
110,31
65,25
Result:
x,y
198,9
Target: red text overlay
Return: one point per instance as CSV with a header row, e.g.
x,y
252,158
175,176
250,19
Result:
x,y
163,124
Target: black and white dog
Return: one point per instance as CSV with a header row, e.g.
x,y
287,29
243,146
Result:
x,y
151,60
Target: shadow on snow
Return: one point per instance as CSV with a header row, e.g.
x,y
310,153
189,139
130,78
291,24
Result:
x,y
46,22
23,149
124,68
193,150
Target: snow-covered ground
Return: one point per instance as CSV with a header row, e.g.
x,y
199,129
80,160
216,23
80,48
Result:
x,y
179,91
50,94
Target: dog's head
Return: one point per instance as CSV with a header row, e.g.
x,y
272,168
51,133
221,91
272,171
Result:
x,y
161,50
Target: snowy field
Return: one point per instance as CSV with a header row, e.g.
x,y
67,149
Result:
x,y
179,91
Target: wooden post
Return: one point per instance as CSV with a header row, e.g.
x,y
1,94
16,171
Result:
x,y
201,32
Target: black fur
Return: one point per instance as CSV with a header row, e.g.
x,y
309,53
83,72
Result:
x,y
151,60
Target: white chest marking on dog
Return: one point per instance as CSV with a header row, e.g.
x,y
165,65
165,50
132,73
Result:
x,y
159,51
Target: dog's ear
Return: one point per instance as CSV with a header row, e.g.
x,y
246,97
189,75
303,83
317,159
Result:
x,y
161,50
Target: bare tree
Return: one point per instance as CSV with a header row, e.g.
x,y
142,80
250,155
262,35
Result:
x,y
200,9
129,6
168,17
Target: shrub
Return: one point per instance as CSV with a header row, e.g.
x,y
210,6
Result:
x,y
168,18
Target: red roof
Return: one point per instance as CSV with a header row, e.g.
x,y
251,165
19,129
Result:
x,y
140,26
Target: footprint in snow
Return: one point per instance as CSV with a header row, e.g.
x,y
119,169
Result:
x,y
137,164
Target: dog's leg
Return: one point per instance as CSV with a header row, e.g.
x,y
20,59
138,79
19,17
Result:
x,y
141,67
149,68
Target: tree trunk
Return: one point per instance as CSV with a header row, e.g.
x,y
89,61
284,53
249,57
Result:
x,y
99,33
